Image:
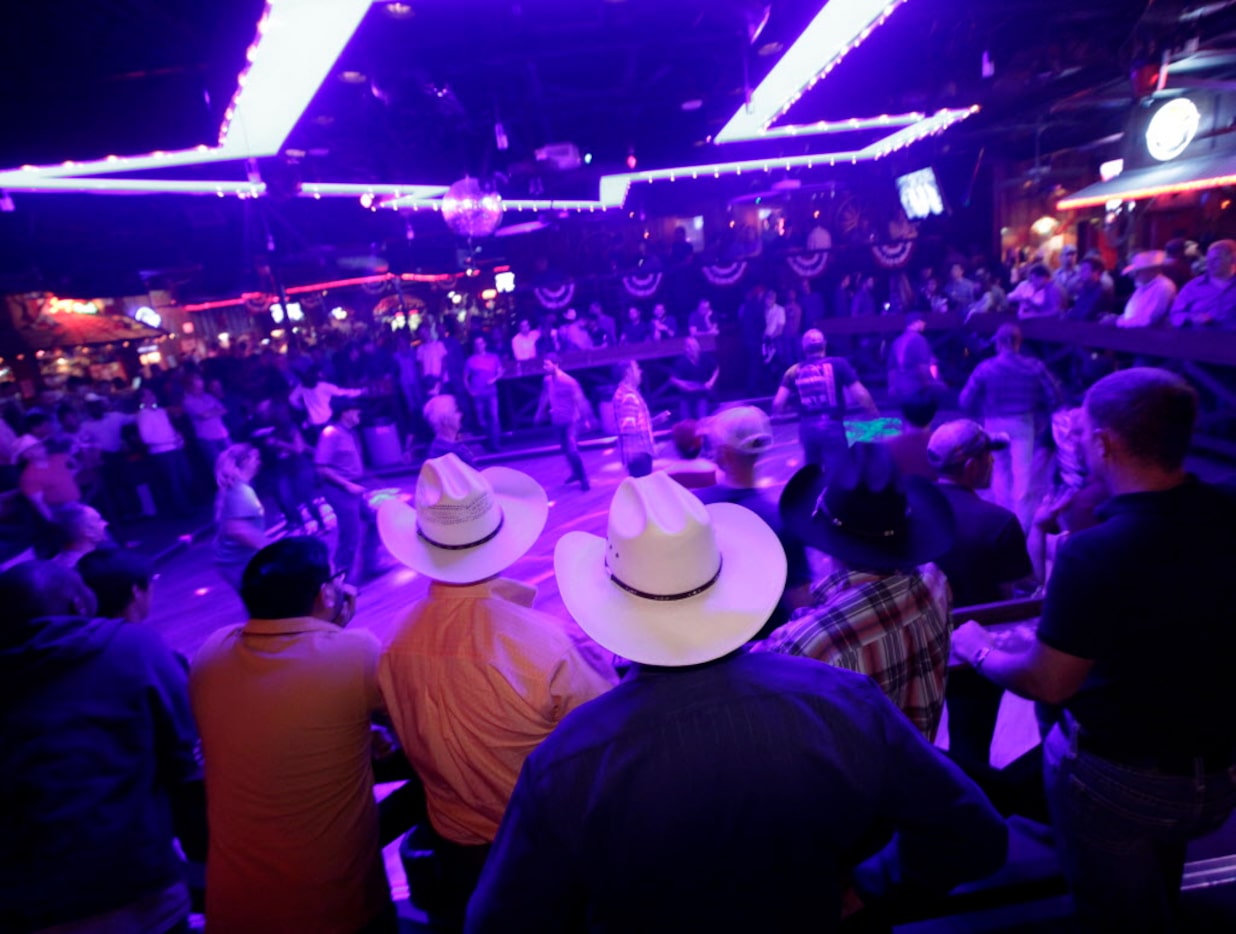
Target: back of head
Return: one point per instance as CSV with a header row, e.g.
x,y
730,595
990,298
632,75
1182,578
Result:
x,y
229,465
814,343
35,589
920,408
686,438
438,409
282,580
1008,337
1151,411
112,574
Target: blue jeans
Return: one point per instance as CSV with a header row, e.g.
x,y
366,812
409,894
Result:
x,y
354,521
568,437
824,442
1122,831
487,415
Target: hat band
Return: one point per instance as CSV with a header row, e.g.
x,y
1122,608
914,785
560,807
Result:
x,y
663,597
480,541
821,509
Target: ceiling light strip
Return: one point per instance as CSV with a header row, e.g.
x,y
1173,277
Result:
x,y
839,27
929,126
136,186
854,124
1150,191
297,46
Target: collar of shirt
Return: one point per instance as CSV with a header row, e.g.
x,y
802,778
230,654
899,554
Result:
x,y
1151,501
292,626
495,588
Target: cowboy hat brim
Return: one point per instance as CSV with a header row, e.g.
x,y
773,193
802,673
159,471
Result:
x,y
675,633
525,507
930,529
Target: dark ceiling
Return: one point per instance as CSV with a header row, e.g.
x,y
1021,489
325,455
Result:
x,y
418,92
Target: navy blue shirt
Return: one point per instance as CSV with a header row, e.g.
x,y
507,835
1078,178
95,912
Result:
x,y
1149,594
731,796
95,731
990,549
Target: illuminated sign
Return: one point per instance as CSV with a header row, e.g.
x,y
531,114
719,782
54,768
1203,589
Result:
x,y
70,306
148,316
1172,129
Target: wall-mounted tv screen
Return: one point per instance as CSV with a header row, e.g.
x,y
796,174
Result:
x,y
920,194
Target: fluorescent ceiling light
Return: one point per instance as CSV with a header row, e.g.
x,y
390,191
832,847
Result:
x,y
297,46
298,43
841,25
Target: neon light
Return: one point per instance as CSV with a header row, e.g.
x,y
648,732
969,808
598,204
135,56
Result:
x,y
298,43
134,186
851,125
840,26
1141,194
929,126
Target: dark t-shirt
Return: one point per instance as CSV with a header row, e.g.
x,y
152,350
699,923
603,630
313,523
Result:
x,y
439,447
1150,596
818,385
797,572
990,549
700,372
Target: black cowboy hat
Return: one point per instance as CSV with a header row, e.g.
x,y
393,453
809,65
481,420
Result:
x,y
866,514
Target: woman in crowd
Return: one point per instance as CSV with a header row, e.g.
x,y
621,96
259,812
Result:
x,y
239,516
82,530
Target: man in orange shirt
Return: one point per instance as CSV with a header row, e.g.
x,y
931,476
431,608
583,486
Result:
x,y
475,678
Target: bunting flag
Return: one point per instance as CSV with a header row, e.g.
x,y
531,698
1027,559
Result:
x,y
893,255
808,265
555,298
727,274
642,285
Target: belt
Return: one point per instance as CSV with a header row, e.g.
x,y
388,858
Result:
x,y
1179,764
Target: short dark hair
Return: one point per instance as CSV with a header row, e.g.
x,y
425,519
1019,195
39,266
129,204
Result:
x,y
35,418
34,589
1152,411
1008,335
112,573
1040,270
920,408
282,580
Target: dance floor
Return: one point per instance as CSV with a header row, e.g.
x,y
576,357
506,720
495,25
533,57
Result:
x,y
191,601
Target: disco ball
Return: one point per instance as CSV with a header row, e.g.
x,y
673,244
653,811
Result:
x,y
471,211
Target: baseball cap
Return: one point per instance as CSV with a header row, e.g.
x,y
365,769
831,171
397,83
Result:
x,y
954,443
743,428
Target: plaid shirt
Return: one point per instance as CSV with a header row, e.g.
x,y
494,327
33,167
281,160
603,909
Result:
x,y
634,423
895,628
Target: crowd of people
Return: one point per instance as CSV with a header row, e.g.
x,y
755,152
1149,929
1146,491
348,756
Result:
x,y
733,730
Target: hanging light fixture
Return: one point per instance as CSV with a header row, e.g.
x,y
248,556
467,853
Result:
x,y
471,211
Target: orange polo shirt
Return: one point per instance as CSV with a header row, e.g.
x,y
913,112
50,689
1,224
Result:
x,y
474,679
283,707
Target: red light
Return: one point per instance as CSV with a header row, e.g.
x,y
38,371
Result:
x,y
631,161
1140,194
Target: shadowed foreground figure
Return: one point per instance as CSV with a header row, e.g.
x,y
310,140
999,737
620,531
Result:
x,y
717,790
96,751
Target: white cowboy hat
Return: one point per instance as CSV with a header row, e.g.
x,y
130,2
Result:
x,y
1146,259
674,582
24,444
466,526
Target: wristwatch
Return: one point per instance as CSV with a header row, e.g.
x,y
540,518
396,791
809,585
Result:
x,y
979,657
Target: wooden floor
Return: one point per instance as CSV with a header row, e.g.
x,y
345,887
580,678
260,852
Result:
x,y
190,600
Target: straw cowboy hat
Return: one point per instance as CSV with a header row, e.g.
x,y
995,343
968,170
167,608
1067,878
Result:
x,y
1147,259
869,516
464,525
673,582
